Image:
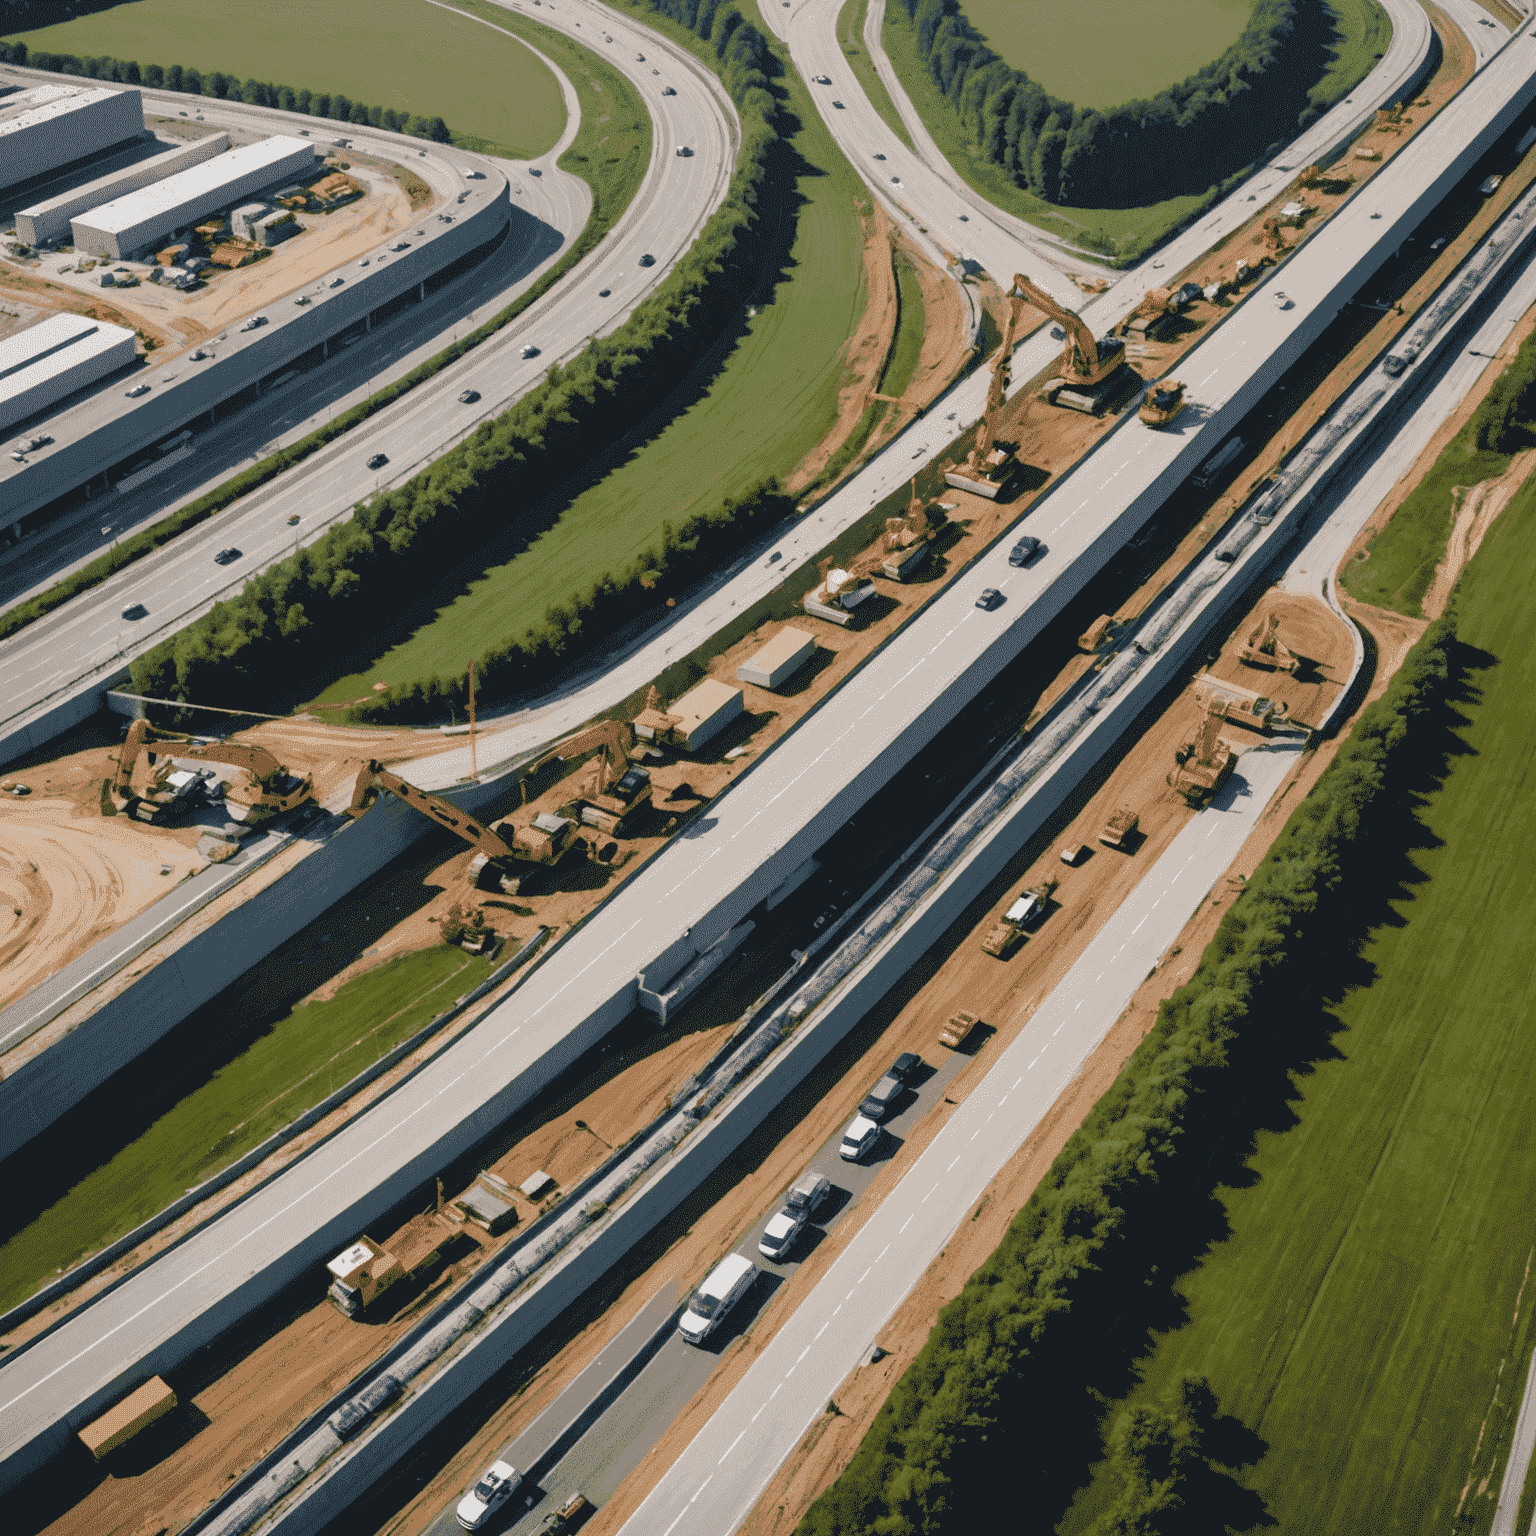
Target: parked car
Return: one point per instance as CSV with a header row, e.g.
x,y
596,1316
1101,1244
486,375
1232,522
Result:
x,y
227,556
497,1484
859,1139
881,1099
989,599
378,461
1024,551
905,1065
808,1193
781,1234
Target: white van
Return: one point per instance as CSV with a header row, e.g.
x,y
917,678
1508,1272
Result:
x,y
859,1138
728,1282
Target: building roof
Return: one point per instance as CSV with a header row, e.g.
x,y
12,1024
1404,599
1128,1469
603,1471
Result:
x,y
704,700
51,345
125,213
784,646
44,104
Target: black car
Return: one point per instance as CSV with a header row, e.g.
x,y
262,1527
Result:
x,y
989,599
603,293
647,260
469,397
530,351
378,461
227,556
905,1065
1024,551
135,611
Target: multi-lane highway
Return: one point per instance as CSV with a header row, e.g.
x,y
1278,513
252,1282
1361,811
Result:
x,y
676,197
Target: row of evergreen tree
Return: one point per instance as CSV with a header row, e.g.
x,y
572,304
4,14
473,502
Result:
x,y
294,623
1187,139
939,1446
255,93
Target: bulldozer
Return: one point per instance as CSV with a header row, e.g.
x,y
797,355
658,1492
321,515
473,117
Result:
x,y
1120,829
1163,401
506,855
1266,650
989,465
1090,369
1203,765
614,791
266,790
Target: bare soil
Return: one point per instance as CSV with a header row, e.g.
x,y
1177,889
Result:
x,y
1316,633
1476,507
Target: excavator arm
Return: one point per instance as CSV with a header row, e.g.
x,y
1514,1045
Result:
x,y
144,738
1085,350
374,779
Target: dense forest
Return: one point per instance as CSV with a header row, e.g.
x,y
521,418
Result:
x,y
255,93
982,1413
1185,140
292,626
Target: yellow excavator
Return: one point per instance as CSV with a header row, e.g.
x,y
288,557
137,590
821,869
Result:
x,y
1090,368
266,790
1203,765
505,855
989,465
614,791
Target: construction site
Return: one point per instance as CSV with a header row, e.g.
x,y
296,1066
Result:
x,y
95,833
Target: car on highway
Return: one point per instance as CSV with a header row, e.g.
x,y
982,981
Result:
x,y
1437,242
809,1191
135,611
294,518
469,396
530,350
781,1234
879,157
859,1139
989,599
378,461
823,79
667,90
839,106
728,1282
533,170
640,58
684,153
603,293
136,391
254,323
895,181
401,245
497,1484
1024,551
227,556
647,260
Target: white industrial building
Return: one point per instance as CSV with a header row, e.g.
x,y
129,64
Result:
x,y
54,358
142,218
47,221
53,126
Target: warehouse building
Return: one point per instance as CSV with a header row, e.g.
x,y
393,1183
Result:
x,y
780,659
141,219
703,712
53,127
48,221
42,364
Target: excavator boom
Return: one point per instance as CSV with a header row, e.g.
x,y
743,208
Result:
x,y
1084,349
374,778
271,790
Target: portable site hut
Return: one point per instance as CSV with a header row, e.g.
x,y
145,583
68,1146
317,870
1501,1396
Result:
x,y
703,712
123,1421
780,659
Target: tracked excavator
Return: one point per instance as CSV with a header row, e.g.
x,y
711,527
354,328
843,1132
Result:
x,y
1163,401
1203,765
505,855
614,790
990,464
265,790
1090,370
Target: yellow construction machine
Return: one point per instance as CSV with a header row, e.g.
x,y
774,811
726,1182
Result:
x,y
614,791
1120,829
990,464
1164,400
1090,369
505,855
1265,649
1202,766
265,790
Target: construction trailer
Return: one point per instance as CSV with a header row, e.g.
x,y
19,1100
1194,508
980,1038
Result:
x,y
121,1422
264,789
363,1272
777,661
703,712
1203,765
506,855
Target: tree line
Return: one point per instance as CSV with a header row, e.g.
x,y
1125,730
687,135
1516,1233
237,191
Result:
x,y
290,624
1505,418
937,1433
1187,139
254,93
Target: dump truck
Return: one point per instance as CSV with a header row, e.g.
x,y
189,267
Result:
x,y
265,789
1003,936
957,1029
1119,829
363,1272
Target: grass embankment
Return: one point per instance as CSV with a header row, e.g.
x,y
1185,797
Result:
x,y
850,35
1400,561
1360,1309
292,1065
411,55
752,407
1099,53
911,322
1121,233
610,153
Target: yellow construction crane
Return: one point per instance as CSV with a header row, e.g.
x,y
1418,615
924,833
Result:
x,y
987,466
268,790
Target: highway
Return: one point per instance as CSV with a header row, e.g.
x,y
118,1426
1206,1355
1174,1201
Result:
x,y
675,199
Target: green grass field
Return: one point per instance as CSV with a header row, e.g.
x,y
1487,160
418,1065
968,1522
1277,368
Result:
x,y
293,1064
761,413
1099,53
1362,1315
1123,233
406,54
911,323
850,33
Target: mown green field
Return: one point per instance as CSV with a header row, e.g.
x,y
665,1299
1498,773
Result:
x,y
1099,53
295,1062
770,403
406,54
1363,1315
1123,233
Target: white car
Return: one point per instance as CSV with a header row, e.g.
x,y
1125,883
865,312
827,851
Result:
x,y
780,1234
254,323
858,1139
136,391
498,1483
